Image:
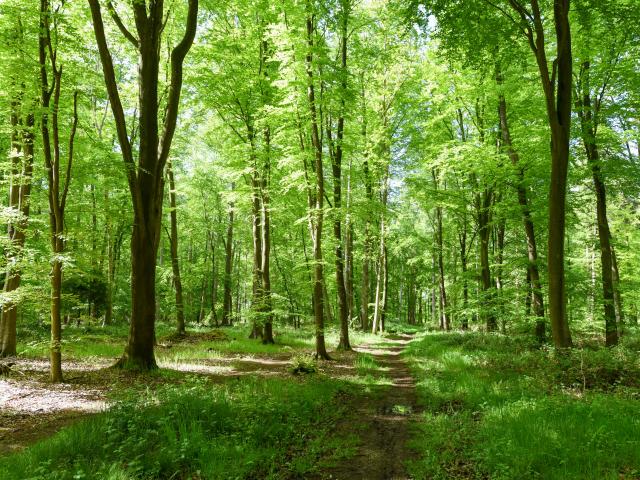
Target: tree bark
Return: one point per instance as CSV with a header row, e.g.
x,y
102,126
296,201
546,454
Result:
x,y
173,240
146,177
57,190
588,114
533,274
19,201
318,211
227,309
267,337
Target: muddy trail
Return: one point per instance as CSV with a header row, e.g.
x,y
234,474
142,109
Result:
x,y
381,419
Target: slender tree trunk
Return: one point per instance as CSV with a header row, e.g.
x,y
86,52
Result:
x,y
318,212
343,302
533,274
367,241
227,309
267,337
444,314
617,295
57,190
465,283
483,206
173,240
19,201
557,90
589,125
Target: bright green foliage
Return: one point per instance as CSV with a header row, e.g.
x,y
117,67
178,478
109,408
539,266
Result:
x,y
251,429
502,408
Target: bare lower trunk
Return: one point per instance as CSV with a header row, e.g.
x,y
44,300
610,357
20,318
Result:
x,y
227,309
589,126
56,324
617,296
318,211
175,265
138,353
19,199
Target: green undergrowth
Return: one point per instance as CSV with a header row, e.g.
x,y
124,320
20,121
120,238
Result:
x,y
89,341
254,428
500,408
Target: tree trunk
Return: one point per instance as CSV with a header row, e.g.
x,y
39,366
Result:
x,y
267,337
57,190
343,303
318,212
173,240
557,90
588,122
227,309
19,200
146,177
533,275
617,295
483,207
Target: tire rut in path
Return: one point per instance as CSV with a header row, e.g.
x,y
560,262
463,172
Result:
x,y
383,418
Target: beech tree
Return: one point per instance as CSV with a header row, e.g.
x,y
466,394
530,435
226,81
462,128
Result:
x,y
145,176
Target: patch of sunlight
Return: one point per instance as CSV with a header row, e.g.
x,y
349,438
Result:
x,y
457,360
32,397
198,368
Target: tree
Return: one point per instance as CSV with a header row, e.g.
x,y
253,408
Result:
x,y
146,176
57,189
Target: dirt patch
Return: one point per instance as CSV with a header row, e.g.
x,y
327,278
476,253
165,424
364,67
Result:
x,y
19,429
381,418
31,408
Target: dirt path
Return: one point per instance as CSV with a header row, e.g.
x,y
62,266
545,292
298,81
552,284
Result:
x,y
382,418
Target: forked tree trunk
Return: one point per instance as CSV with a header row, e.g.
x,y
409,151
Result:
x,y
57,190
146,176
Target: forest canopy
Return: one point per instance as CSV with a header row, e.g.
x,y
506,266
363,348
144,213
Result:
x,y
334,167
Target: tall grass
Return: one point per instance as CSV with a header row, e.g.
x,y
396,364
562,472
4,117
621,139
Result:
x,y
496,407
251,429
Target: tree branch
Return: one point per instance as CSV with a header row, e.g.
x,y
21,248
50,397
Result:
x,y
72,135
118,21
116,104
177,58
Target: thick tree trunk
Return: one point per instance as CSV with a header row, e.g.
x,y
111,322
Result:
x,y
146,177
173,239
557,90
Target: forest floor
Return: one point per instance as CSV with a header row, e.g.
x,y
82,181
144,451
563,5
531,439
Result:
x,y
381,416
378,405
437,405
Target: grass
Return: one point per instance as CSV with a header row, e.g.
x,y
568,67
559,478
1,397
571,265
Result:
x,y
496,407
256,428
87,341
